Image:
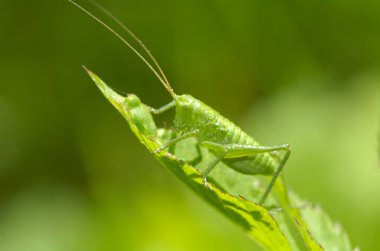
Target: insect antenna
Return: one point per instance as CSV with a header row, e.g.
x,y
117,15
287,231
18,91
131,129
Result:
x,y
134,36
162,78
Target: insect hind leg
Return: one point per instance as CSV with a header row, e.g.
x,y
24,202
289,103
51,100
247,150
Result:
x,y
276,173
237,151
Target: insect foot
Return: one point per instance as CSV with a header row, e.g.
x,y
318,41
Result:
x,y
205,183
274,211
158,150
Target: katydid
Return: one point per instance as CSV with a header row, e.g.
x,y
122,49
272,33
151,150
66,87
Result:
x,y
230,144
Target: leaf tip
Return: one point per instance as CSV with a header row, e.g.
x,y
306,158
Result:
x,y
115,98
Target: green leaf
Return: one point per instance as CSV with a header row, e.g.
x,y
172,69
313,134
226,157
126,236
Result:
x,y
254,219
285,230
330,234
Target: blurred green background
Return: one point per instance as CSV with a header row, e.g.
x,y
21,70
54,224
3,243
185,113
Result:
x,y
72,175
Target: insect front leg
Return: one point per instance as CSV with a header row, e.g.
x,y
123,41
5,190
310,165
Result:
x,y
161,109
174,141
238,151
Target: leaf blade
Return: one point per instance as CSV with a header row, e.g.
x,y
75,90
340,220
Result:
x,y
253,218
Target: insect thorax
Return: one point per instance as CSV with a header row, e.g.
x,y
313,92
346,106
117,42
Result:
x,y
192,114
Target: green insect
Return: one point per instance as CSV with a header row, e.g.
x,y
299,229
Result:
x,y
230,144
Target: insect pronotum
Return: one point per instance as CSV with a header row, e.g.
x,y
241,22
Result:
x,y
230,144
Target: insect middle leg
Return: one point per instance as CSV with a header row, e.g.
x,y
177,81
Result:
x,y
199,157
237,151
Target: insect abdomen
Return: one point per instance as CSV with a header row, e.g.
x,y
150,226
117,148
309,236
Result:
x,y
192,115
235,135
260,163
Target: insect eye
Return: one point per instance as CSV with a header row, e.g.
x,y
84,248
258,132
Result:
x,y
132,100
187,104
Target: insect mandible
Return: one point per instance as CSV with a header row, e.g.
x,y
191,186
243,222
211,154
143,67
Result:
x,y
230,144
